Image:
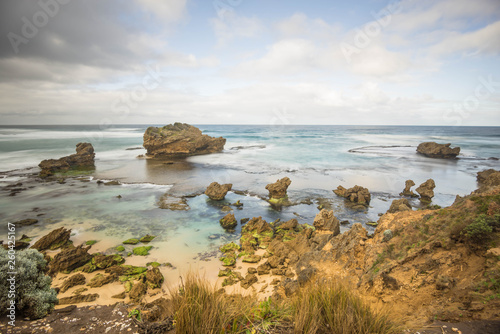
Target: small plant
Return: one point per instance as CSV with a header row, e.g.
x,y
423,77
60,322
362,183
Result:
x,y
479,230
135,313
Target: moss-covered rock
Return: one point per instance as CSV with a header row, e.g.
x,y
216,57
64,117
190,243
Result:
x,y
120,248
90,242
131,241
228,222
147,238
251,258
229,247
153,264
228,260
142,250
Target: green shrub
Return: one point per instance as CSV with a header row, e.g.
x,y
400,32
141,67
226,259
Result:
x,y
33,294
479,230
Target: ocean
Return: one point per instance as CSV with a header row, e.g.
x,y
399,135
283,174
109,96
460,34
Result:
x,y
316,158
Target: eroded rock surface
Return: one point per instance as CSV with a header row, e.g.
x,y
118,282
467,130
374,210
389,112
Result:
x,y
426,190
277,190
84,158
55,239
398,205
216,191
435,150
356,194
407,190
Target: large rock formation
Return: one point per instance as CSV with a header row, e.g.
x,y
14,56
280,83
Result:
x,y
426,190
407,190
84,158
179,140
277,191
326,221
69,259
398,205
356,194
435,150
487,179
55,239
217,191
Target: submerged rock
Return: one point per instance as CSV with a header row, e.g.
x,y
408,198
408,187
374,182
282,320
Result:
x,y
426,190
399,205
84,158
435,150
356,194
179,140
26,222
217,192
173,203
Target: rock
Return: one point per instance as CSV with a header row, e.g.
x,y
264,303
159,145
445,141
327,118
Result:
x,y
244,220
435,150
154,278
99,280
26,222
326,221
251,258
426,190
19,244
356,194
264,269
78,299
173,203
487,179
387,235
147,238
305,275
69,259
289,225
101,261
138,291
407,190
55,239
78,279
277,190
228,222
132,241
248,281
121,295
217,192
112,183
179,140
398,205
142,250
84,158
256,233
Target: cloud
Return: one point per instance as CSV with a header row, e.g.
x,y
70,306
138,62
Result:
x,y
166,10
232,26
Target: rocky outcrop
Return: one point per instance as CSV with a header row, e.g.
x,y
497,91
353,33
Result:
x,y
407,190
278,189
217,192
78,279
55,239
488,179
179,140
69,259
228,222
399,205
426,190
326,221
435,150
84,158
78,299
356,194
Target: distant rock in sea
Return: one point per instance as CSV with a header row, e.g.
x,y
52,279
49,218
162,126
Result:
x,y
84,158
179,140
435,150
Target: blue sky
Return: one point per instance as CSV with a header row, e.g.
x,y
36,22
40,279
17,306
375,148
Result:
x,y
250,62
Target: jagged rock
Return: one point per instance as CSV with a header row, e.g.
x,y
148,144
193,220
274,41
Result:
x,y
356,194
69,259
264,269
138,291
99,280
426,190
228,222
289,225
78,299
26,222
487,179
217,192
154,278
179,140
326,221
84,158
251,258
55,239
398,205
435,150
407,190
277,190
256,233
78,279
248,281
120,295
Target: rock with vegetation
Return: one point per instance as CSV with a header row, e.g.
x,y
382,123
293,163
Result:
x,y
55,239
217,192
147,238
257,233
435,150
277,191
398,205
488,179
357,194
131,241
138,291
34,298
77,279
83,159
407,190
426,190
154,278
179,140
69,259
142,250
99,280
229,222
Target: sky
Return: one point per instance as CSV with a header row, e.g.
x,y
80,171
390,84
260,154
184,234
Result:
x,y
368,62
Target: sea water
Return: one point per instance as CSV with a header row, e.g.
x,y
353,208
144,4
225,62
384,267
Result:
x,y
316,158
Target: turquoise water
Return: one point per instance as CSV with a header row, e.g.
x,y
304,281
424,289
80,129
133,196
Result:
x,y
316,158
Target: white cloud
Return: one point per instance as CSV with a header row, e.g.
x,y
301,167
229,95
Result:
x,y
166,10
233,26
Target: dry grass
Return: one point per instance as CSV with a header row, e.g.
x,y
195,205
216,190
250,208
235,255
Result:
x,y
328,307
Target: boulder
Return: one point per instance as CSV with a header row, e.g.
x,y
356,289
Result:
x,y
398,205
55,239
216,191
84,158
78,279
426,190
248,281
69,259
407,190
26,222
278,189
179,140
487,179
435,150
356,194
138,291
154,278
326,221
228,222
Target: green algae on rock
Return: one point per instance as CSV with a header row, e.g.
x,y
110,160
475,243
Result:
x,y
147,238
142,250
132,241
